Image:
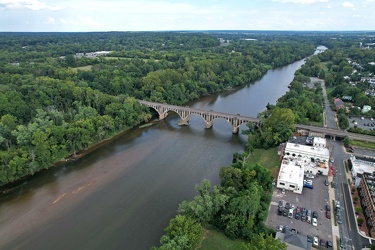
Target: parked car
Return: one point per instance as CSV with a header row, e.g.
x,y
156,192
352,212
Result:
x,y
306,185
326,182
308,212
328,207
310,176
281,204
337,203
315,214
297,216
280,228
329,244
309,238
328,214
303,217
290,214
316,241
323,243
287,205
285,212
283,191
314,222
280,211
304,211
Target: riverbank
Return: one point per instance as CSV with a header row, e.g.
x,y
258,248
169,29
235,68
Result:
x,y
73,157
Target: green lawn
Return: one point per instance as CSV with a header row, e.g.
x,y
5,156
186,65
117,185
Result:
x,y
214,240
268,158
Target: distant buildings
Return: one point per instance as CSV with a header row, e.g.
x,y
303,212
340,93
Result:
x,y
92,54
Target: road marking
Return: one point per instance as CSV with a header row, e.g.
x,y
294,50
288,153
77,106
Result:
x,y
346,206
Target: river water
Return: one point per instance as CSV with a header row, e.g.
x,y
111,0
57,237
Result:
x,y
123,195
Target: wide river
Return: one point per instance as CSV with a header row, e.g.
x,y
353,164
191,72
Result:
x,y
123,195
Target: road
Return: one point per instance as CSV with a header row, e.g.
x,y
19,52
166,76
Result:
x,y
348,229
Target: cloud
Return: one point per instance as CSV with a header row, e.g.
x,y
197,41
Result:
x,y
347,5
301,1
27,4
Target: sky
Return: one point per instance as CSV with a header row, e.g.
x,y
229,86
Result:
x,y
162,15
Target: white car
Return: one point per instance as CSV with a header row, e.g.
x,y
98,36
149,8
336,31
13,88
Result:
x,y
316,241
315,222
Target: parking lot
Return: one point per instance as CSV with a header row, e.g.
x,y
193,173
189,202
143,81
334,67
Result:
x,y
365,123
314,199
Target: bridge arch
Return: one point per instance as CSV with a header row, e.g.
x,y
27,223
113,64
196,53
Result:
x,y
208,115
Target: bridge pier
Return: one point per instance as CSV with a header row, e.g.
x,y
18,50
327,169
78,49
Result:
x,y
235,129
184,121
208,124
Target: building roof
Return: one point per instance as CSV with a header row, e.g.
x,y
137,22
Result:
x,y
320,140
347,97
291,171
339,102
362,166
315,152
294,241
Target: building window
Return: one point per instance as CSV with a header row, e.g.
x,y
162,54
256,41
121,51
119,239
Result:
x,y
282,183
292,186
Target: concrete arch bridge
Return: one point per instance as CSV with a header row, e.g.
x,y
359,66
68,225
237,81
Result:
x,y
208,115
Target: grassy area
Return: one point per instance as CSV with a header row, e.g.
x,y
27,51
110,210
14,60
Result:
x,y
84,68
362,144
215,240
268,158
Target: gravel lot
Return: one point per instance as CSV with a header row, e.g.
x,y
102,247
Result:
x,y
314,199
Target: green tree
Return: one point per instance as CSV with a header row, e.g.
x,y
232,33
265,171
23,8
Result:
x,y
182,233
204,206
265,242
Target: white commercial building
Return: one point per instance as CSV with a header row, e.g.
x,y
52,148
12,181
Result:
x,y
291,176
316,155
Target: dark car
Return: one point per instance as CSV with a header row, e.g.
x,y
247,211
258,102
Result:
x,y
323,243
309,238
303,217
285,212
328,207
297,216
280,211
281,204
329,244
315,214
304,211
328,214
287,205
326,182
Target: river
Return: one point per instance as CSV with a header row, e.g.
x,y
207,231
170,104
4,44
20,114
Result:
x,y
123,195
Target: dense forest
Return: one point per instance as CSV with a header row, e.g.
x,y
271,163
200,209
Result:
x,y
56,99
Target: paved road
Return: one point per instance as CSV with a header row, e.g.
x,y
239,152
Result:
x,y
330,115
348,229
